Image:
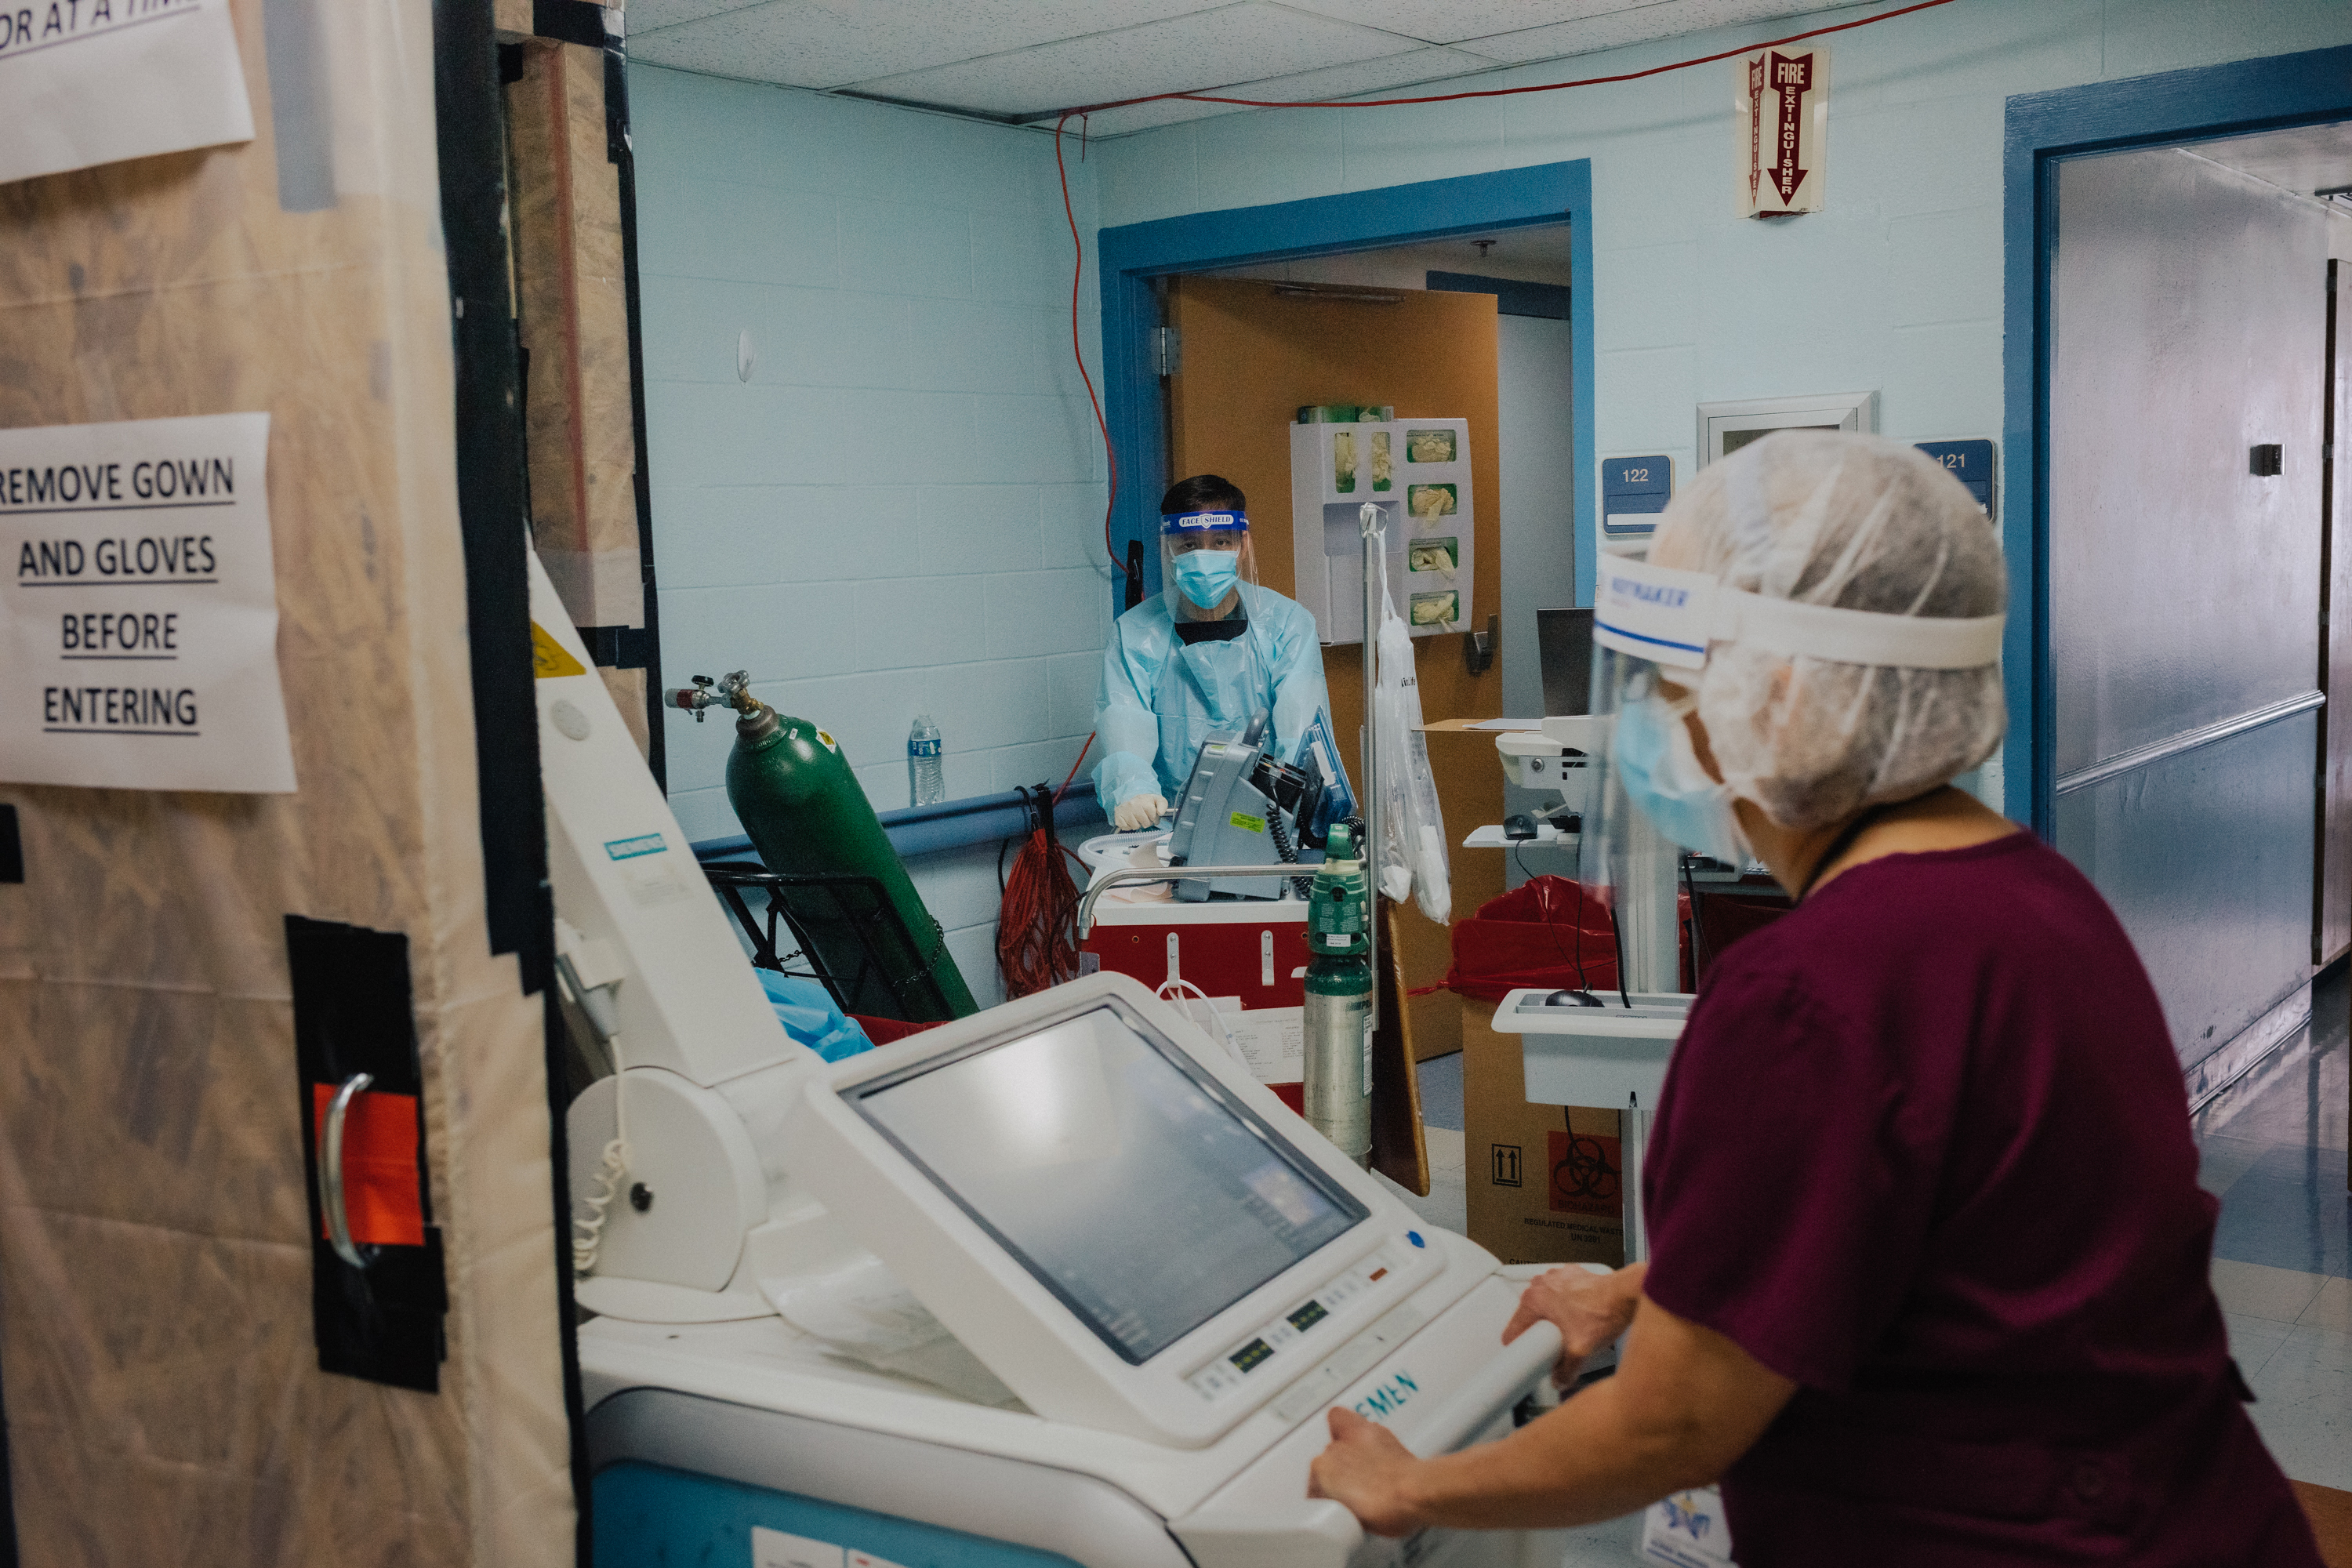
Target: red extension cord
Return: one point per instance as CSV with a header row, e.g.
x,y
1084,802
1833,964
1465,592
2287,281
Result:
x,y
1037,924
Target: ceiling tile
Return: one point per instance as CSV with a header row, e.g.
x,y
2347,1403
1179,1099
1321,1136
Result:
x,y
1433,67
1636,24
1452,21
644,15
833,43
1252,40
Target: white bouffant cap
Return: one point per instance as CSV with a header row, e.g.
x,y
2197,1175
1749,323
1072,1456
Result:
x,y
1860,523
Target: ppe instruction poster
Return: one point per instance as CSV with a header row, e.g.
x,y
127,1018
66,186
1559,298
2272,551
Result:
x,y
96,81
139,617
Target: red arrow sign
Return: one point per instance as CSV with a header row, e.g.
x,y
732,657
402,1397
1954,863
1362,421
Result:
x,y
1755,127
1791,80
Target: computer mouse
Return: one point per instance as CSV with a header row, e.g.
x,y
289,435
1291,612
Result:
x,y
1520,827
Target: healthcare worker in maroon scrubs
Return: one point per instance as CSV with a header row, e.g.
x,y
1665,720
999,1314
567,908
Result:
x,y
1927,1278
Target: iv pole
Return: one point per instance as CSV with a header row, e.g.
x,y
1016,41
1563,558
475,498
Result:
x,y
1375,533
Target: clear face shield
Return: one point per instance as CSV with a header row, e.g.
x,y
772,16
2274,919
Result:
x,y
1204,557
1655,629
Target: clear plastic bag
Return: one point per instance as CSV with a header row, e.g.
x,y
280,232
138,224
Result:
x,y
1413,857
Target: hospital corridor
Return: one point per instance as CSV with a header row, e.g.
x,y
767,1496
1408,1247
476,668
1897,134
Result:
x,y
1176,783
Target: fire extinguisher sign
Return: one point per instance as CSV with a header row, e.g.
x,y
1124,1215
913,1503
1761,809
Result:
x,y
1783,110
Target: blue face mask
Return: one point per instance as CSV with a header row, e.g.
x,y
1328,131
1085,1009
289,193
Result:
x,y
1206,576
1664,779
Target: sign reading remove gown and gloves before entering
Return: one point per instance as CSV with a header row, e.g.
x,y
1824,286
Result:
x,y
139,615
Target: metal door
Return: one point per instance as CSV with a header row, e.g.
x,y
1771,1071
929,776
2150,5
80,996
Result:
x,y
2186,327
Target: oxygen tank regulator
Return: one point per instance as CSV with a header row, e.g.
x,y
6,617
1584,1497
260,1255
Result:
x,y
730,690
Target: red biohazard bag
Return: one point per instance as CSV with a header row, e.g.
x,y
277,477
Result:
x,y
1549,934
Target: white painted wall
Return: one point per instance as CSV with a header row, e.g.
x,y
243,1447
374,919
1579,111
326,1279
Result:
x,y
1896,286
902,510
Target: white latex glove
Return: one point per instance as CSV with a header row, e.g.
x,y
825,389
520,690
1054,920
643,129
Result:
x,y
1138,811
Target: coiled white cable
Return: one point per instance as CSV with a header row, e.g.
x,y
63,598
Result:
x,y
588,1230
1232,1044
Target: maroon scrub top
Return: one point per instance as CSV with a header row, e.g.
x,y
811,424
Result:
x,y
1924,1150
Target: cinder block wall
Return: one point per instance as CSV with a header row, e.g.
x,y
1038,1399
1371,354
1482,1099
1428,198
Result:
x,y
901,511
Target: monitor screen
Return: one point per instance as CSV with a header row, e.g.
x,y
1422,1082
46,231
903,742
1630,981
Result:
x,y
1131,1184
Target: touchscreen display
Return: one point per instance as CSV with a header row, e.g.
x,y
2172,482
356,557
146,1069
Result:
x,y
1130,1183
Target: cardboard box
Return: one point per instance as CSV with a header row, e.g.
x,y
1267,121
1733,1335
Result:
x,y
1543,1179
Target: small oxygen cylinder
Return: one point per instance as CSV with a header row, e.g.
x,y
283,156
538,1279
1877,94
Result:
x,y
1339,1090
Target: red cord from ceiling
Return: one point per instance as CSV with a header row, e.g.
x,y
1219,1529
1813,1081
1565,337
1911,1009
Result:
x,y
1077,272
1078,268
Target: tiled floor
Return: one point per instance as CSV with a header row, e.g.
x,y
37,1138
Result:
x,y
2273,1152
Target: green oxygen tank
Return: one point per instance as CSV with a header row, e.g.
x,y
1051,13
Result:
x,y
1338,1023
808,817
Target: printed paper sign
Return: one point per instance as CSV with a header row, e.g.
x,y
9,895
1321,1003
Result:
x,y
138,618
1783,131
1686,1531
781,1549
1272,1040
95,82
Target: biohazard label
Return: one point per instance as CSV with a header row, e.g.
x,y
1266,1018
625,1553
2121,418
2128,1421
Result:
x,y
548,659
1585,1177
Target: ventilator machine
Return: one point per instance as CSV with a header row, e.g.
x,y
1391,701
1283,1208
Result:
x,y
1056,1283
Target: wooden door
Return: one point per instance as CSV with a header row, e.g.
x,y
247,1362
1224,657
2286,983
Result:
x,y
1252,352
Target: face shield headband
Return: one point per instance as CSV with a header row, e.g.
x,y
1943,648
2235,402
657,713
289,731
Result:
x,y
1656,623
1672,618
1196,524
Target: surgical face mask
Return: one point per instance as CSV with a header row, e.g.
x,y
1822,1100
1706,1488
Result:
x,y
1206,576
1666,782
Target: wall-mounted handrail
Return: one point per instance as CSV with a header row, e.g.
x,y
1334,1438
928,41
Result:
x,y
2187,741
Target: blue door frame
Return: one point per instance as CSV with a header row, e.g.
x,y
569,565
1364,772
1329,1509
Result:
x,y
1132,255
2042,128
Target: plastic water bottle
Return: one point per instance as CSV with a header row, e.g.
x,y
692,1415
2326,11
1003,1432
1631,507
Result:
x,y
927,772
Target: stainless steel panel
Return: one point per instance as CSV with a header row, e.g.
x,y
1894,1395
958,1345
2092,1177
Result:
x,y
2187,322
2206,858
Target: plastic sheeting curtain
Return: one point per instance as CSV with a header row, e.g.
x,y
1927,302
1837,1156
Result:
x,y
163,1397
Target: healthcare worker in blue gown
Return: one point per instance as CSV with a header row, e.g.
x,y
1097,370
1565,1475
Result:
x,y
1211,652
